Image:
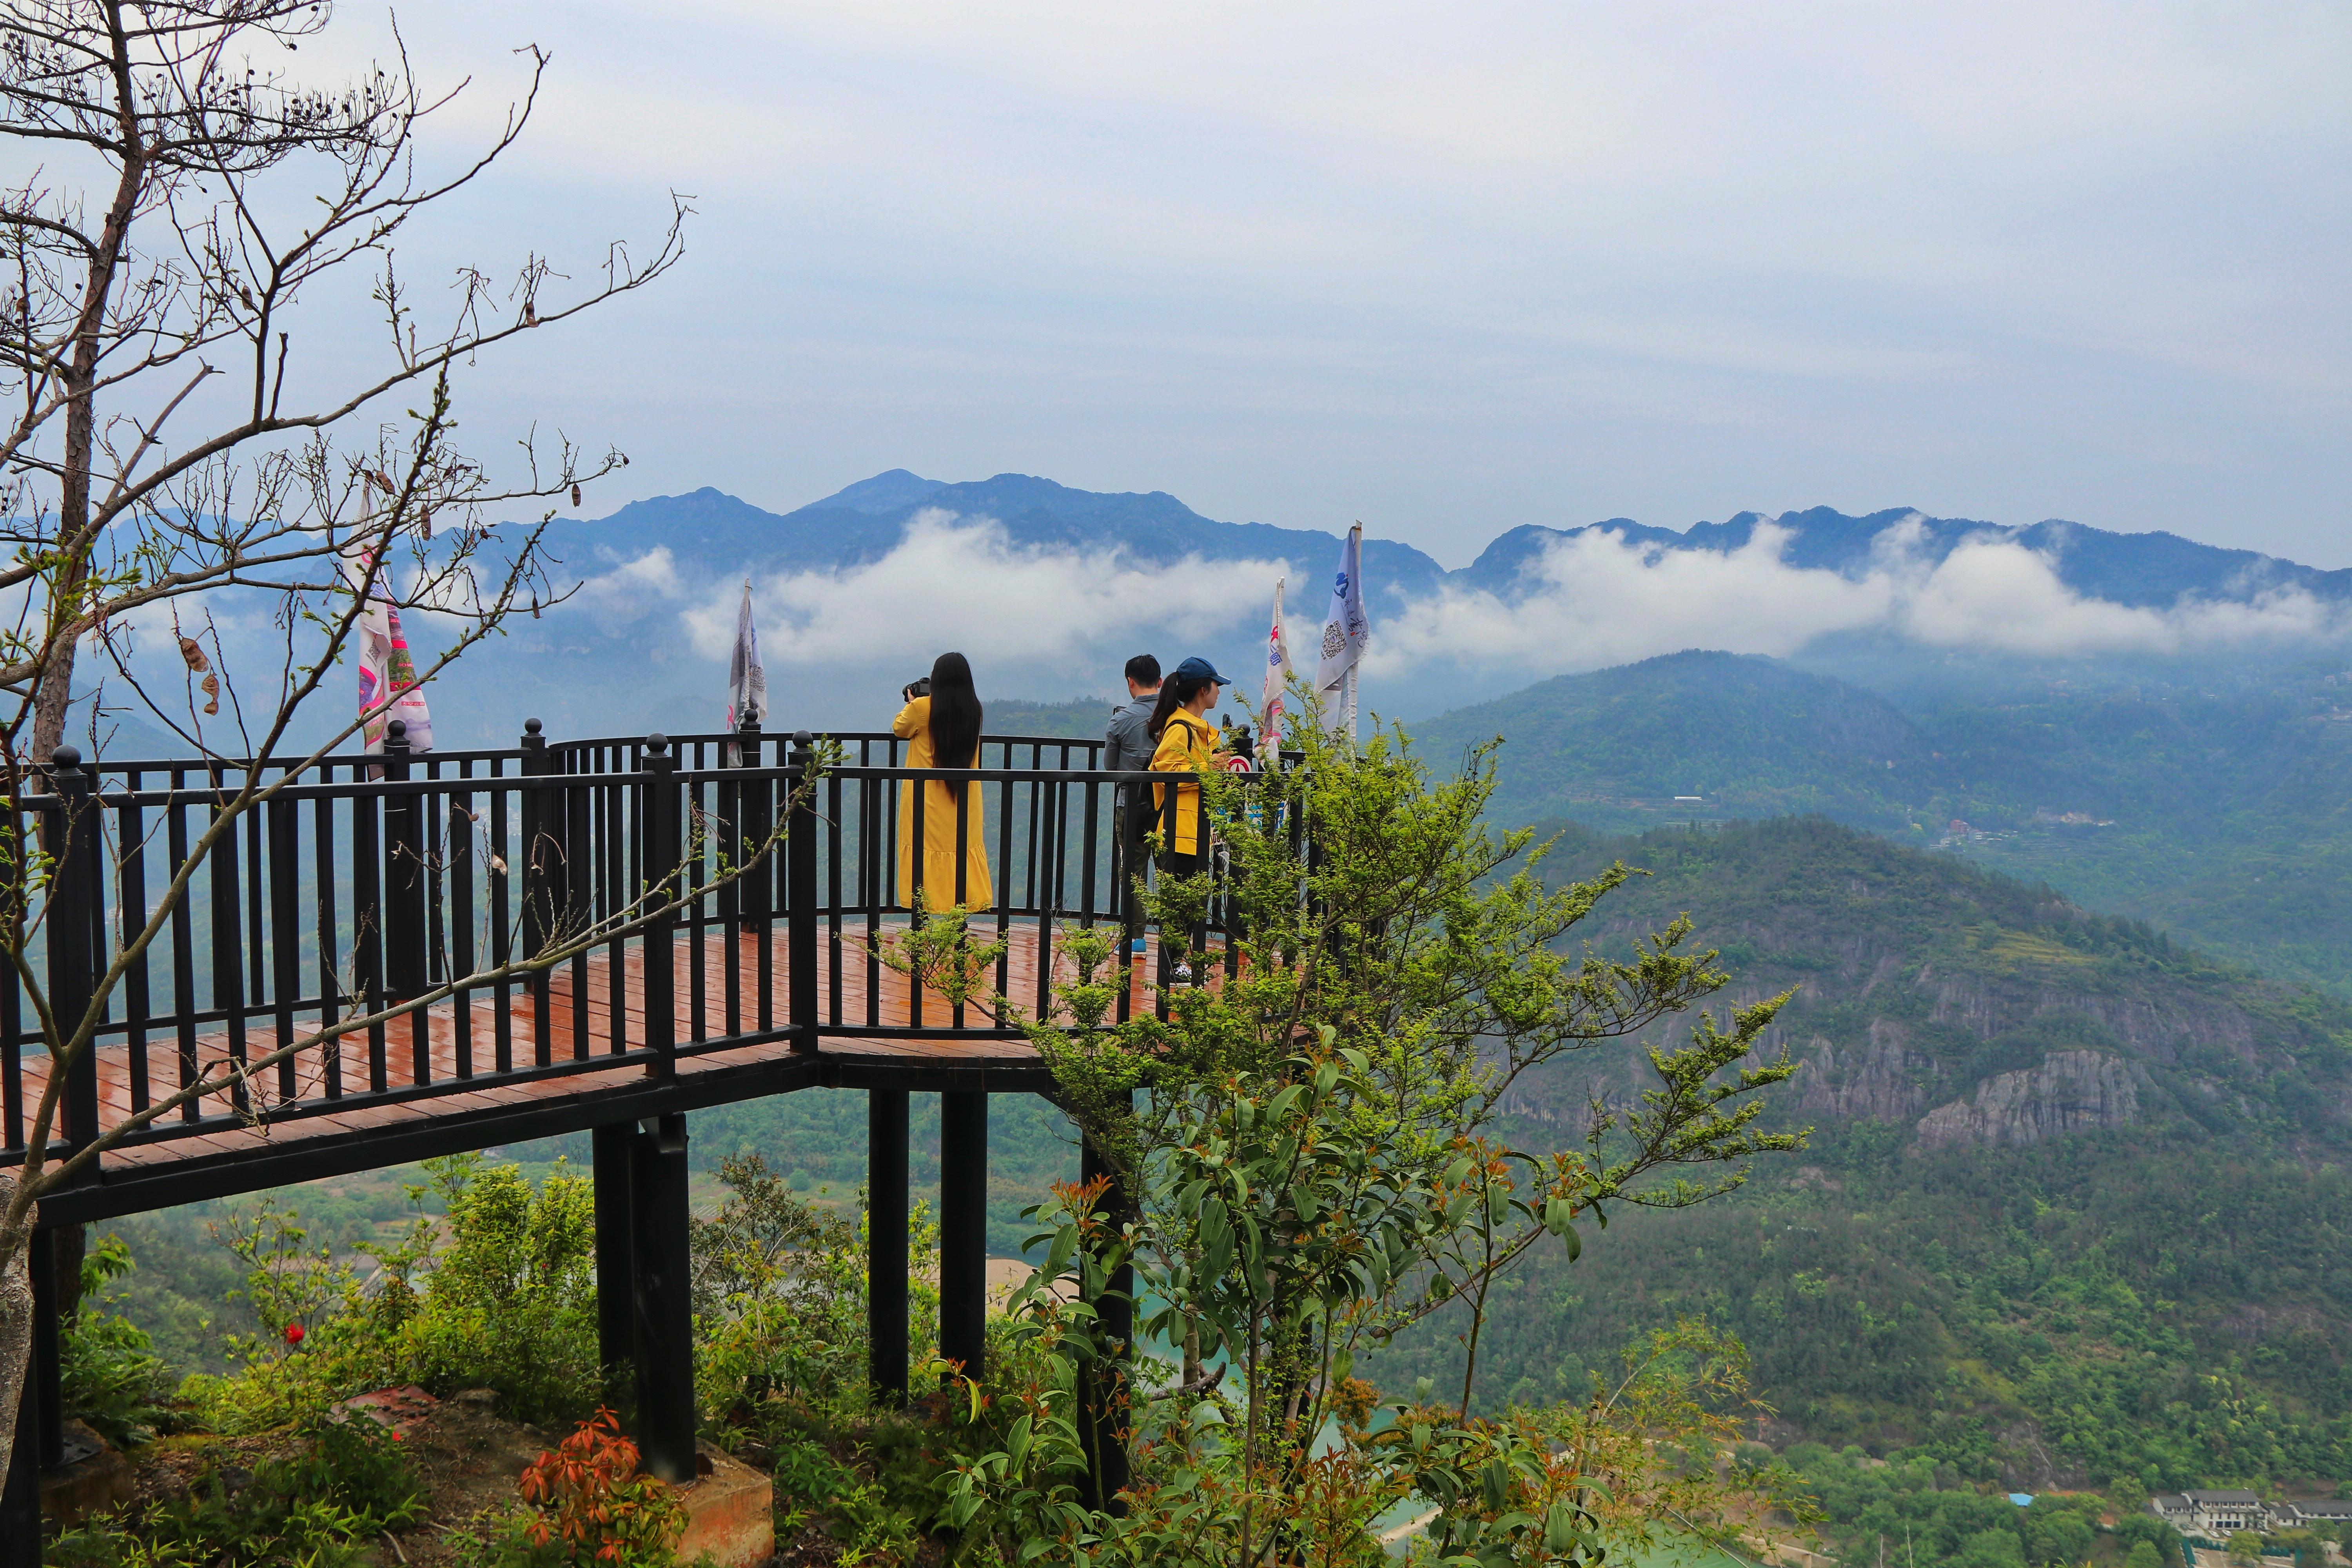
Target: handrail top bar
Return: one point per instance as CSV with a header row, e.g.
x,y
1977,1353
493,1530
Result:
x,y
366,789
357,759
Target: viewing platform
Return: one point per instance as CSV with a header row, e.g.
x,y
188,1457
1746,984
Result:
x,y
454,1102
377,958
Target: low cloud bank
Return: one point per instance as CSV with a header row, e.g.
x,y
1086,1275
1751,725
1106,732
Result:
x,y
948,583
1591,601
1599,599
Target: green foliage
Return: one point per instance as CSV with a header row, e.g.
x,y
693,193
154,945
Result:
x,y
1921,1512
320,1506
510,1303
501,1294
2080,1303
1308,1146
779,1300
112,1377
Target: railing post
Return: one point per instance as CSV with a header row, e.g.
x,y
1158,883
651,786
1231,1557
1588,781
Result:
x,y
800,893
755,887
885,1245
542,856
404,874
405,975
662,859
76,893
963,1228
665,1298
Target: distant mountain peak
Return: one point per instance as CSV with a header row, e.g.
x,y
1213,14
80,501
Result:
x,y
886,491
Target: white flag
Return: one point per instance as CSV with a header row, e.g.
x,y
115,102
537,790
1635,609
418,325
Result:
x,y
1277,681
747,681
388,688
1346,630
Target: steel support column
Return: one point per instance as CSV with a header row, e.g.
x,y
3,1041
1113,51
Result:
x,y
885,1245
20,1500
963,1228
665,1300
617,1252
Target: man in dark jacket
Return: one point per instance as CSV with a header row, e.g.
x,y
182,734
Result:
x,y
1128,743
1128,747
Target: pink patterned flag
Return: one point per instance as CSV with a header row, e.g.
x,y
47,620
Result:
x,y
388,688
1277,681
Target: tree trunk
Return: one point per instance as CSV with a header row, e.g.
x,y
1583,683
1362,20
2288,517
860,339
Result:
x,y
16,1332
75,540
56,688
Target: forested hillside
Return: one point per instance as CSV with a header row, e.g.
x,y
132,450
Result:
x,y
2220,809
2076,1204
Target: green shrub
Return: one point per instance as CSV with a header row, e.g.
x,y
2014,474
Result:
x,y
112,1376
346,1483
780,1305
498,1294
509,1302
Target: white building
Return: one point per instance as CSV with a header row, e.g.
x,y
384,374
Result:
x,y
2217,1516
2213,1516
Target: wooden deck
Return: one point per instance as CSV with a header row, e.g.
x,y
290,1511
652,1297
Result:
x,y
281,1136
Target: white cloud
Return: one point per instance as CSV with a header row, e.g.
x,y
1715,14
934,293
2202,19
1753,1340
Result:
x,y
632,589
1599,600
950,582
1034,614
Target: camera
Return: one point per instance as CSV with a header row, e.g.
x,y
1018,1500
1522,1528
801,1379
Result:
x,y
921,687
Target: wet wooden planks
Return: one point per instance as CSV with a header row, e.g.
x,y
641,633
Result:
x,y
585,1027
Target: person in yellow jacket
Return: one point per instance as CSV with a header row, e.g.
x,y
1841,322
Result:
x,y
941,729
1186,743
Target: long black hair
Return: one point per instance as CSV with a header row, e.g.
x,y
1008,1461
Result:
x,y
955,712
1174,692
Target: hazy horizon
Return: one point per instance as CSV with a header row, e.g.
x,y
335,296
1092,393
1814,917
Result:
x,y
1448,273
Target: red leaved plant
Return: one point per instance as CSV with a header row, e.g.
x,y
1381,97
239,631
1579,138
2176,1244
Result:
x,y
591,1497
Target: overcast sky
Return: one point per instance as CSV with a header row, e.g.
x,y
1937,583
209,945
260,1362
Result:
x,y
1446,269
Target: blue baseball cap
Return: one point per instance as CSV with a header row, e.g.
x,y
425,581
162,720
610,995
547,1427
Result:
x,y
1200,669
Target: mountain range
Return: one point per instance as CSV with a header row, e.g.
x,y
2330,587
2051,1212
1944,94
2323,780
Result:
x,y
861,522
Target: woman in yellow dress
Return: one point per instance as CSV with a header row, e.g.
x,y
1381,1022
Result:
x,y
942,731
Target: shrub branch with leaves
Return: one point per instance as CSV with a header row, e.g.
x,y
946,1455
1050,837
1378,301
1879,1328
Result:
x,y
1312,1141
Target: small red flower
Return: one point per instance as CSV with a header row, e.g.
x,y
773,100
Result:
x,y
293,1334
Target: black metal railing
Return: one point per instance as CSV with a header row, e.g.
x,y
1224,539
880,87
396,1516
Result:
x,y
366,882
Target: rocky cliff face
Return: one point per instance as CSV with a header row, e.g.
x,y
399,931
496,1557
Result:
x,y
1971,1010
2070,1092
1884,1078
